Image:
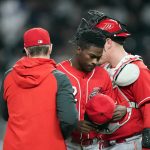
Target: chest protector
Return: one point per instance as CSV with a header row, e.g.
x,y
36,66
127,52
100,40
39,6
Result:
x,y
124,74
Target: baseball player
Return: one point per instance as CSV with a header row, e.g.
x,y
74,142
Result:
x,y
131,79
87,80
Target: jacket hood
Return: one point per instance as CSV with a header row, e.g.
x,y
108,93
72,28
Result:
x,y
30,72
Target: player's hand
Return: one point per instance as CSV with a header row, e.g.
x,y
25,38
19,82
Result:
x,y
119,113
86,126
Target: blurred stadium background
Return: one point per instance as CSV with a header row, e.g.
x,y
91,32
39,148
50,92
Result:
x,y
61,18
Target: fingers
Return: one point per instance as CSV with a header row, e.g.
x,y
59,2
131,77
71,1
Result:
x,y
117,116
119,113
86,126
89,123
115,119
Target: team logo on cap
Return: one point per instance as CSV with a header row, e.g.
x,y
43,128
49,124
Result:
x,y
107,26
40,41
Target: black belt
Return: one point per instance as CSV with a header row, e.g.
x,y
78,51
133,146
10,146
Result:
x,y
106,144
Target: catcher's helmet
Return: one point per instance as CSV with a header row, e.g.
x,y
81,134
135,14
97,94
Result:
x,y
98,20
114,27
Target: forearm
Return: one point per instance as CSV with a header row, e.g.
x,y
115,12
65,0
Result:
x,y
67,129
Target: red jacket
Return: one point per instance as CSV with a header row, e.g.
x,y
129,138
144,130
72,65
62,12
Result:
x,y
30,91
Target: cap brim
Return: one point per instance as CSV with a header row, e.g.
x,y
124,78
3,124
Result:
x,y
124,34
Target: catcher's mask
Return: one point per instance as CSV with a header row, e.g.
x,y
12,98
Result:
x,y
98,20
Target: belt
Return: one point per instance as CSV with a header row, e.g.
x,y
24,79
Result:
x,y
85,142
106,144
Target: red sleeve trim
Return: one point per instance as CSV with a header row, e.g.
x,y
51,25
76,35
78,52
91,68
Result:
x,y
144,101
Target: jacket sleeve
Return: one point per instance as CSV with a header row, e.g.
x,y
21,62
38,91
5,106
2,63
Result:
x,y
3,103
66,107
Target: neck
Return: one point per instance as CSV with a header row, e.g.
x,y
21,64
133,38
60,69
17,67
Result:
x,y
75,64
41,56
116,56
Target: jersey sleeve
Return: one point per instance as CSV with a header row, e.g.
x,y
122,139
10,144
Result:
x,y
66,107
141,88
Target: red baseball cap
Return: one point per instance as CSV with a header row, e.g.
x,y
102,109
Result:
x,y
100,108
36,37
112,26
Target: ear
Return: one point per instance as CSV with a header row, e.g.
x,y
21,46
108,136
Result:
x,y
50,49
108,44
79,50
27,52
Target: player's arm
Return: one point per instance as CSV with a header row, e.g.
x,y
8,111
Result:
x,y
141,90
66,107
3,102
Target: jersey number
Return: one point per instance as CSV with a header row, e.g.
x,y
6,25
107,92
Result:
x,y
74,92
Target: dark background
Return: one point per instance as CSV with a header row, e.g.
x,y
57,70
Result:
x,y
61,18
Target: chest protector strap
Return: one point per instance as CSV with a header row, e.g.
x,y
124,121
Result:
x,y
127,73
112,127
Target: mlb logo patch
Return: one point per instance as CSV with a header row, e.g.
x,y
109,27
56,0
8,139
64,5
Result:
x,y
40,41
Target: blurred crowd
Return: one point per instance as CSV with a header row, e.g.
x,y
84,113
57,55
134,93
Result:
x,y
61,18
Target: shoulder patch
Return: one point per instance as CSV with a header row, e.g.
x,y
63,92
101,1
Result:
x,y
128,75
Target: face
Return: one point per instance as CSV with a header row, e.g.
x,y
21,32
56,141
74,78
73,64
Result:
x,y
103,59
106,52
89,58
